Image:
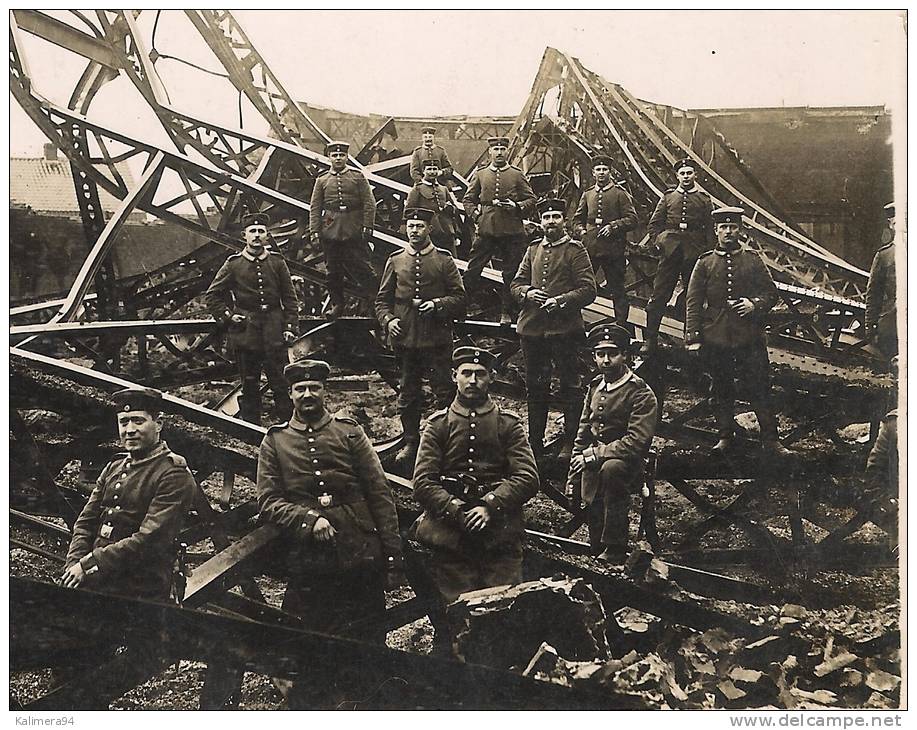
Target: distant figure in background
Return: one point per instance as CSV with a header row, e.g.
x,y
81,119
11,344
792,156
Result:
x,y
603,218
429,150
253,294
881,296
429,194
341,216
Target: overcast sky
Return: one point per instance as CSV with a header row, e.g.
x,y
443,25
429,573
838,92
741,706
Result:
x,y
475,62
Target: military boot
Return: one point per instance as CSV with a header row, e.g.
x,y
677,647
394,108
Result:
x,y
651,333
407,454
250,409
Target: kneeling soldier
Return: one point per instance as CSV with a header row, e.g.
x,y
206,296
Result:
x,y
615,433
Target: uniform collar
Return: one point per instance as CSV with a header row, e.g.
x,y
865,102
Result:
x,y
333,172
546,242
431,184
425,250
158,450
608,387
298,425
499,169
681,190
486,407
608,185
247,255
720,251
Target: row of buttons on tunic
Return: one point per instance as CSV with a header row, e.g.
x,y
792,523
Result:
x,y
318,472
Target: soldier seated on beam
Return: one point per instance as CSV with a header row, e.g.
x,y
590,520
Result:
x,y
320,480
474,472
614,436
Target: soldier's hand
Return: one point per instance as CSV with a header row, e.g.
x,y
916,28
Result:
x,y
743,307
367,233
539,296
550,304
605,231
314,237
427,307
237,318
694,347
477,518
288,337
322,530
73,576
394,327
577,464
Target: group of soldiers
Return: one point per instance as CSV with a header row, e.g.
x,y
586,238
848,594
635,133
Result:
x,y
474,464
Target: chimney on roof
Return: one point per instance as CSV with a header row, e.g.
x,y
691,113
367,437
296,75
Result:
x,y
50,151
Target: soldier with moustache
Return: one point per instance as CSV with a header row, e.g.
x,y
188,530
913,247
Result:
x,y
615,433
341,216
321,482
497,199
682,229
429,150
429,194
554,282
604,215
252,294
420,295
729,296
881,295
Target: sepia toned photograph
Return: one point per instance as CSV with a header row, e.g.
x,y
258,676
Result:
x,y
457,360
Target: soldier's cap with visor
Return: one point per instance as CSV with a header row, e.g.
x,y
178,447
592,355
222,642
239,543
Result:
x,y
432,162
684,162
552,204
498,141
728,214
336,146
138,399
890,210
257,218
601,160
301,370
473,355
418,214
608,333
427,129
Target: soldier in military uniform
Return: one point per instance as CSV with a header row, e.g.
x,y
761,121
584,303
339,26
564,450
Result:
x,y
504,196
615,433
320,480
682,230
881,297
729,296
554,282
124,540
429,150
420,295
603,217
253,295
341,216
474,473
431,195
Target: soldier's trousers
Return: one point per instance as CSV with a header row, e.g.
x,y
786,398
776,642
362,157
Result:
x,y
614,269
417,363
676,265
457,573
541,355
608,502
750,366
250,363
350,257
510,249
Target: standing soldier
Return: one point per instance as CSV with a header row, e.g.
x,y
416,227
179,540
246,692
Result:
x,y
341,216
606,213
881,297
504,196
420,295
428,150
253,294
124,540
615,433
321,482
729,296
474,472
431,195
554,282
682,229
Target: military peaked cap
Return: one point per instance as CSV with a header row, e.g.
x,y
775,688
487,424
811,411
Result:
x,y
418,214
432,162
608,334
428,128
601,160
474,355
498,141
552,204
256,219
138,399
728,215
336,147
301,370
890,210
684,162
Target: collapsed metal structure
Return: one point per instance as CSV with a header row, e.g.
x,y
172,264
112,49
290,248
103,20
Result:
x,y
822,364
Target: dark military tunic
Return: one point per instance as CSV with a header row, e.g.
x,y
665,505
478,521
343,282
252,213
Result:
x,y
342,205
683,218
435,197
491,183
129,526
881,300
421,154
599,207
721,275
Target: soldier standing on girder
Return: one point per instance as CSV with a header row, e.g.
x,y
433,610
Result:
x,y
881,296
682,230
429,194
253,294
429,150
341,216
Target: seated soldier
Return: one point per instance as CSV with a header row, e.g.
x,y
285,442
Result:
x,y
614,436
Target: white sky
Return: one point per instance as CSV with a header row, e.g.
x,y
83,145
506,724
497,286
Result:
x,y
478,62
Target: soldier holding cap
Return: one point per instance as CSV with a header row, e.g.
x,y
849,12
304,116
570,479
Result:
x,y
554,282
341,216
605,214
474,472
124,540
881,296
682,229
429,150
429,194
615,432
321,482
504,197
420,295
253,295
729,296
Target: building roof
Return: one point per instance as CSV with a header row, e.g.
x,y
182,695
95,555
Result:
x,y
46,186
